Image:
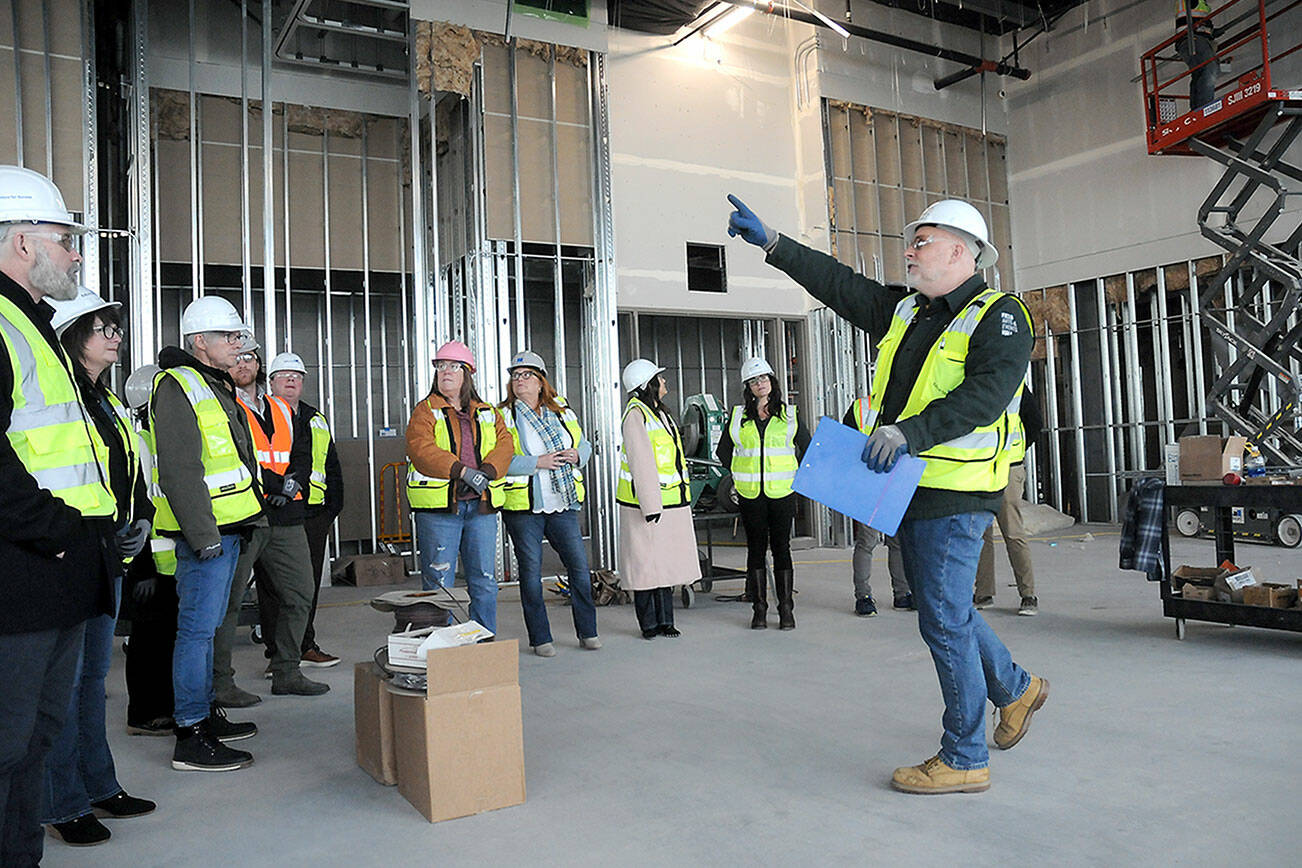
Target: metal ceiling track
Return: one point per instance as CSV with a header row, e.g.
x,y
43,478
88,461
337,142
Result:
x,y
366,37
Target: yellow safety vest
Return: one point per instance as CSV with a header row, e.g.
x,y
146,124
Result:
x,y
1016,437
320,449
768,464
50,429
163,548
978,460
667,446
229,481
426,492
519,489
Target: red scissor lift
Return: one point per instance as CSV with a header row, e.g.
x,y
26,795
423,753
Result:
x,y
1247,128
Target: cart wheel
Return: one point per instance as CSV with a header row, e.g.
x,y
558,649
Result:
x,y
706,584
728,496
689,596
255,634
1179,628
1289,531
1188,523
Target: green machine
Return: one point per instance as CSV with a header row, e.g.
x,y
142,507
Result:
x,y
703,424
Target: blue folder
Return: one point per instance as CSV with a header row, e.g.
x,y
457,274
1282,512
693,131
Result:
x,y
833,473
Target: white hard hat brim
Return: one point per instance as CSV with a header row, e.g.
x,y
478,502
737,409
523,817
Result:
x,y
61,327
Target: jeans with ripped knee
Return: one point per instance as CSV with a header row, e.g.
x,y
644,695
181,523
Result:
x,y
472,535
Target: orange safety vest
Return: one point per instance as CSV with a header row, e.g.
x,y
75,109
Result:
x,y
273,452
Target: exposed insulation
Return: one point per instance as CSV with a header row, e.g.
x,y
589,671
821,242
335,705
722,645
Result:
x,y
447,53
171,117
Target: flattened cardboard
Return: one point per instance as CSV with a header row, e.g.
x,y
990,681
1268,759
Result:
x,y
373,720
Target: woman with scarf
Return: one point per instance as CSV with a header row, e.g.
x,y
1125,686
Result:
x,y
544,491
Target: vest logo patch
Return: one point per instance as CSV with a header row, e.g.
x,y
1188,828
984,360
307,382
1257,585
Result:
x,y
1007,324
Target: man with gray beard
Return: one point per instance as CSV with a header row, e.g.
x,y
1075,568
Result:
x,y
57,513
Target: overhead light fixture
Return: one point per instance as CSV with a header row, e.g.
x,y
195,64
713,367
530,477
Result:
x,y
845,34
728,20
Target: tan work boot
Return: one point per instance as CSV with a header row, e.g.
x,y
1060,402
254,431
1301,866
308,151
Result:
x,y
934,776
1015,719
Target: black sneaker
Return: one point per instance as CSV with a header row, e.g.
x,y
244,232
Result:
x,y
669,630
904,601
224,730
1029,606
122,806
864,607
198,751
157,726
84,831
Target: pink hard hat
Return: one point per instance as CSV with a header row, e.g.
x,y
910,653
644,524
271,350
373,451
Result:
x,y
455,351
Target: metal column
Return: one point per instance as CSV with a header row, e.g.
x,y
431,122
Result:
x,y
141,307
271,345
422,285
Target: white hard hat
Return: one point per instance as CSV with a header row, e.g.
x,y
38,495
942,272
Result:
x,y
140,385
753,367
249,344
527,359
638,373
67,312
286,362
30,197
959,215
211,313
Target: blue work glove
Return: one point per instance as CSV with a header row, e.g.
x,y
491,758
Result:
x,y
476,480
207,553
131,539
884,448
745,223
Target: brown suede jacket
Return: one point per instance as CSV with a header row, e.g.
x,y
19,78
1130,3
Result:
x,y
426,456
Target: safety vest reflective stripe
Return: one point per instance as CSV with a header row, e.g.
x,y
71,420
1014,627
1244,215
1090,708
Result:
x,y
671,468
765,463
229,482
519,489
975,461
320,450
50,429
426,492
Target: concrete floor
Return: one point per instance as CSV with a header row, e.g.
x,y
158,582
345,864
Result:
x,y
730,746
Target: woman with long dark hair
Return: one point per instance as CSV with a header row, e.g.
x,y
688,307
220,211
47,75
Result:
x,y
762,446
80,779
544,491
458,449
657,540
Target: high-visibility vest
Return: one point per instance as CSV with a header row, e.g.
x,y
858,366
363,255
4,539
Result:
x,y
861,409
50,428
426,492
126,428
163,548
519,489
316,487
1016,438
667,446
273,452
765,464
975,461
230,484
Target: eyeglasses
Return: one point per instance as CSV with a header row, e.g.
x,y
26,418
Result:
x,y
246,357
760,379
109,331
522,374
447,366
919,243
282,376
66,240
225,337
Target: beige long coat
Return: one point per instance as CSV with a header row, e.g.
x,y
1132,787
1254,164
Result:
x,y
652,554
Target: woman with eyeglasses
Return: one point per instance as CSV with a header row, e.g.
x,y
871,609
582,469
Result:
x,y
80,779
762,447
544,491
657,540
458,449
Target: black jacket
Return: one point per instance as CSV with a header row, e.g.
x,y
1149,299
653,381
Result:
x,y
54,563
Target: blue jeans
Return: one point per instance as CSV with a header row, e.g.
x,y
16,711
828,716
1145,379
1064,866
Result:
x,y
472,534
527,530
36,671
79,767
940,561
202,589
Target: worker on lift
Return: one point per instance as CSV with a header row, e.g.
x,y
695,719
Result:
x,y
1197,48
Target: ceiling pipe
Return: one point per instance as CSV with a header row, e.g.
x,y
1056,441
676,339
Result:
x,y
975,64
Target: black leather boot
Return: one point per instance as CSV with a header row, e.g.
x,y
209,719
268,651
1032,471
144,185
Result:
x,y
784,581
757,590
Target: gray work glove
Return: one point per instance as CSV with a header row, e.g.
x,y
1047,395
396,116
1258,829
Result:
x,y
477,480
884,448
131,539
291,487
207,553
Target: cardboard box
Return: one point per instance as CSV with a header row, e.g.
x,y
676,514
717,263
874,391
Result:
x,y
409,650
460,747
1184,575
1270,594
366,571
1208,457
1231,585
373,720
1198,592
